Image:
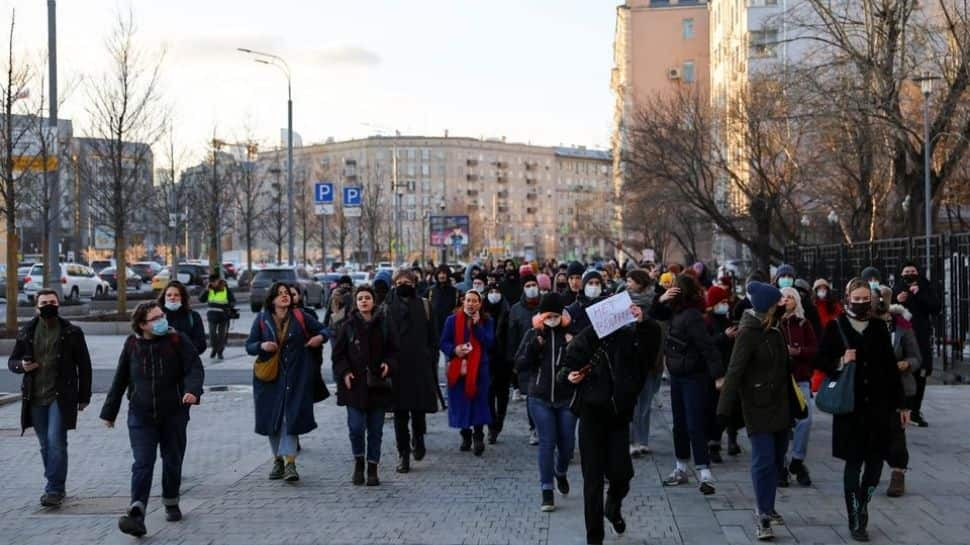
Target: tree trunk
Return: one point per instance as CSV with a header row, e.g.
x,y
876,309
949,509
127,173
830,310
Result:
x,y
121,269
13,243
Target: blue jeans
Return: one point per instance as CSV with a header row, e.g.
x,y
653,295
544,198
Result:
x,y
148,436
370,421
689,399
640,427
767,451
49,427
799,446
556,427
281,443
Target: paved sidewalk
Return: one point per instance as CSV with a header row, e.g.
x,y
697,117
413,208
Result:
x,y
453,497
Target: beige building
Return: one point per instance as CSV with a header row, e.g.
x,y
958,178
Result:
x,y
521,199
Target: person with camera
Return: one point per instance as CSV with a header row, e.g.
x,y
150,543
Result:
x,y
608,374
364,360
221,311
160,370
51,354
466,340
918,295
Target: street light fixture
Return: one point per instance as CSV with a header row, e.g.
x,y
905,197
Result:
x,y
277,61
833,220
926,87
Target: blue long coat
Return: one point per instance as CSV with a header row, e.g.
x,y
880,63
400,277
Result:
x,y
292,391
464,412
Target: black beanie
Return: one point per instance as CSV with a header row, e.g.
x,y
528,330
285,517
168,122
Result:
x,y
529,278
551,302
575,269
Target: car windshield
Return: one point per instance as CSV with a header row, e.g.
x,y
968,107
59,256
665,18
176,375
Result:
x,y
268,276
23,271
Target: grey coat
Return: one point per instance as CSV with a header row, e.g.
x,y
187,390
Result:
x,y
906,348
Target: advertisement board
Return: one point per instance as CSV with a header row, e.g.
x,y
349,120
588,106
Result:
x,y
449,231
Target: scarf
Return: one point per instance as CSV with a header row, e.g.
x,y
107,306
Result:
x,y
473,359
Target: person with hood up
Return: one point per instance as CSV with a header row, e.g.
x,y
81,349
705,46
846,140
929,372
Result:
x,y
382,285
540,356
608,375
466,341
759,375
513,283
471,271
592,293
175,302
574,281
802,345
692,362
415,383
921,298
519,323
501,367
908,360
443,297
562,285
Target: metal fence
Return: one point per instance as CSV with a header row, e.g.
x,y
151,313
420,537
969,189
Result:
x,y
949,272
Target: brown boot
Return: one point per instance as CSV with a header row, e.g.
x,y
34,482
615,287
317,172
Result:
x,y
897,484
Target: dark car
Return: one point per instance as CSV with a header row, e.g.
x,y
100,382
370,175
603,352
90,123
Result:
x,y
110,275
312,291
146,270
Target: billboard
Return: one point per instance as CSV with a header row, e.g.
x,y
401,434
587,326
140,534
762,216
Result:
x,y
449,231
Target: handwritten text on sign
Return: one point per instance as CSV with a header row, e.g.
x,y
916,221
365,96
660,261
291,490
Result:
x,y
611,314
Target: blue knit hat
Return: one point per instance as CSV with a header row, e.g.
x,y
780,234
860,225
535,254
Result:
x,y
763,296
785,270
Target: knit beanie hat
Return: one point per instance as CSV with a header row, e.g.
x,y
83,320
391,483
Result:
x,y
545,283
529,278
785,270
715,294
526,270
821,282
590,275
551,302
871,272
763,296
575,269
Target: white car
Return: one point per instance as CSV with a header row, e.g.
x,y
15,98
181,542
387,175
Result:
x,y
76,281
360,278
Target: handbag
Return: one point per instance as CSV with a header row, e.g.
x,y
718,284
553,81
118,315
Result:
x,y
837,394
798,403
267,370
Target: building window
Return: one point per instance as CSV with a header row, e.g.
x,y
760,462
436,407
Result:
x,y
688,72
687,28
763,43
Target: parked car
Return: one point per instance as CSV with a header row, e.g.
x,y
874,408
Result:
x,y
21,273
76,281
311,289
132,280
146,270
360,278
101,264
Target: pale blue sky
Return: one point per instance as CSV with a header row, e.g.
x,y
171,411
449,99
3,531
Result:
x,y
531,70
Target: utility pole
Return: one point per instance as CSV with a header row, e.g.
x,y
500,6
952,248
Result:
x,y
54,210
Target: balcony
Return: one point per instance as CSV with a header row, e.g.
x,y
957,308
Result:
x,y
503,209
531,181
471,163
504,194
501,164
502,179
472,177
531,211
532,195
472,193
531,165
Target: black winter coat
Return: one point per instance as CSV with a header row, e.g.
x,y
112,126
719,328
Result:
x,y
541,361
497,355
188,321
923,306
688,347
73,371
361,347
155,373
415,383
878,388
520,322
444,300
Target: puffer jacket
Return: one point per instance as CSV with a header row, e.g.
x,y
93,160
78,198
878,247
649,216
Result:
x,y
541,360
689,348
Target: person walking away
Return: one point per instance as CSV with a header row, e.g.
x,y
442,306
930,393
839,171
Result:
x,y
907,352
502,369
639,284
160,373
919,296
519,323
862,437
415,385
364,357
280,338
608,375
220,300
802,346
541,357
52,355
466,342
174,300
759,375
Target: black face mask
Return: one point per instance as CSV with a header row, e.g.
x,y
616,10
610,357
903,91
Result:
x,y
510,275
561,286
911,278
860,311
405,290
48,311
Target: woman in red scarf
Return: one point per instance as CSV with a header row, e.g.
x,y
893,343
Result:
x,y
468,335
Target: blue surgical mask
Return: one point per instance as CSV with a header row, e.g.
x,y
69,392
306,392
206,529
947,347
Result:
x,y
160,327
173,306
874,285
786,282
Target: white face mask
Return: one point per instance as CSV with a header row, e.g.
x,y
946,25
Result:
x,y
552,322
478,287
173,305
531,292
822,294
592,291
494,298
721,308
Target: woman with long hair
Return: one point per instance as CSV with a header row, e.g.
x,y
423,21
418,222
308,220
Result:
x,y
174,300
802,348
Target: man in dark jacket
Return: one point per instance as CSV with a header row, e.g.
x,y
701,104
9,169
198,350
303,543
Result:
x,y
574,277
444,299
520,322
415,384
53,357
591,293
609,374
917,294
513,282
501,369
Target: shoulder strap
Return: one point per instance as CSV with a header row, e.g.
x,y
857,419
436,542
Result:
x,y
845,340
298,314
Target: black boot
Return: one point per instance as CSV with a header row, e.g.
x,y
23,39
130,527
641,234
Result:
x,y
403,461
418,447
372,479
865,496
466,440
611,511
133,522
852,505
358,478
173,513
479,442
492,435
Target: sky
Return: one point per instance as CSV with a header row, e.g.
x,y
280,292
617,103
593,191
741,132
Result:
x,y
534,71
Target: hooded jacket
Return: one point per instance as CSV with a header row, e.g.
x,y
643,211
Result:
x,y
577,309
542,359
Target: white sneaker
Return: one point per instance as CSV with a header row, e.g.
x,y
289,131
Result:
x,y
515,395
534,438
635,450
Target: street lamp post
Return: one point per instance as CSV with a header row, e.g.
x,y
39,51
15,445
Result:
x,y
277,61
833,219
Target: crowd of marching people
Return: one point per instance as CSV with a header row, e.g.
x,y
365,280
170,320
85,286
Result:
x,y
741,355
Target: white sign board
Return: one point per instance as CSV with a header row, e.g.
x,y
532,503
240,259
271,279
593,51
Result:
x,y
611,314
323,209
352,212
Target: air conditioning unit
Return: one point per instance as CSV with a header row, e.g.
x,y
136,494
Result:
x,y
673,73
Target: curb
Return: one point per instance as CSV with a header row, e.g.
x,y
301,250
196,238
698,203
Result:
x,y
7,399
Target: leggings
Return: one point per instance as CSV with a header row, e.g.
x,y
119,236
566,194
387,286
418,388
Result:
x,y
869,474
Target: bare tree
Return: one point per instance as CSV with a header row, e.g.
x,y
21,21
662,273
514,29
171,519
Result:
x,y
276,211
374,216
251,200
126,120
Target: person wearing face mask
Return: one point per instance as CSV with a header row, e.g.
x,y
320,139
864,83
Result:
x,y
873,277
478,284
639,285
174,301
160,370
802,348
862,437
562,285
382,285
723,331
545,284
540,356
574,281
811,314
415,383
592,293
785,277
501,368
921,298
520,322
51,354
466,341
443,297
829,308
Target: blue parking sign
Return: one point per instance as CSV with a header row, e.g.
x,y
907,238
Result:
x,y
323,192
352,196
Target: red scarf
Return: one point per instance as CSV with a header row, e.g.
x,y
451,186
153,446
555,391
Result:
x,y
474,358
